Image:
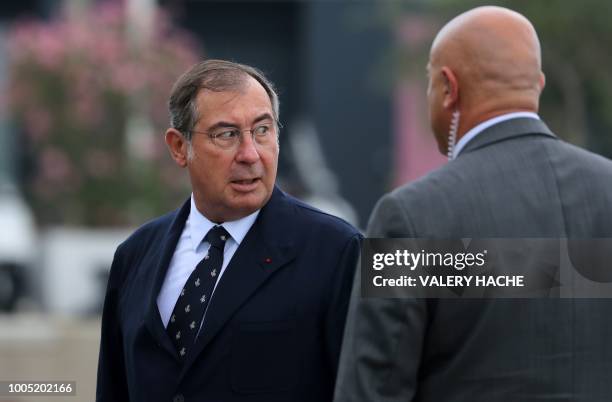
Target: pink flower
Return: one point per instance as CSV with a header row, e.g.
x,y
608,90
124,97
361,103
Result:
x,y
54,165
75,81
49,47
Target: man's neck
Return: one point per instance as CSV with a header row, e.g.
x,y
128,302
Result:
x,y
483,125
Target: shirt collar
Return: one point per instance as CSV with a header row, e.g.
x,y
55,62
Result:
x,y
486,124
198,225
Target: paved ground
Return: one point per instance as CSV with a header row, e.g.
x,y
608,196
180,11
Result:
x,y
36,347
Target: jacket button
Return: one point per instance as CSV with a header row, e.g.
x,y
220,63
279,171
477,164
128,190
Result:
x,y
178,398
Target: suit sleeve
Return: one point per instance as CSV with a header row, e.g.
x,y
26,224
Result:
x,y
111,381
384,338
340,296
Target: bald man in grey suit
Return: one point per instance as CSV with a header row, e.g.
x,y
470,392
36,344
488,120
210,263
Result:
x,y
508,176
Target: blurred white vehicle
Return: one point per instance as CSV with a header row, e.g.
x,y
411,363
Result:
x,y
17,246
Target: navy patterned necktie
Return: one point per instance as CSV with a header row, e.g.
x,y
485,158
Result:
x,y
195,296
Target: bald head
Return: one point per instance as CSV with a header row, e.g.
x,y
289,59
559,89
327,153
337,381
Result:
x,y
492,55
491,46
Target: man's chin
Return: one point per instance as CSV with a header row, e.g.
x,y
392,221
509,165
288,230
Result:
x,y
248,203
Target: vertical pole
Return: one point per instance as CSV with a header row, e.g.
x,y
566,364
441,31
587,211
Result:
x,y
139,129
7,143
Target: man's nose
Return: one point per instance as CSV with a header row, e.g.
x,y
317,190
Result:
x,y
247,149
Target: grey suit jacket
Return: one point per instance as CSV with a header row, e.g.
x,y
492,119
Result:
x,y
516,179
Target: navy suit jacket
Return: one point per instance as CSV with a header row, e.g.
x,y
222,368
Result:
x,y
274,327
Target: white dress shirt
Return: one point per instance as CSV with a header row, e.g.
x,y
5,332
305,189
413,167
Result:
x,y
190,250
486,124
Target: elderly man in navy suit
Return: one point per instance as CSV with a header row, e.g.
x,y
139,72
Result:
x,y
240,294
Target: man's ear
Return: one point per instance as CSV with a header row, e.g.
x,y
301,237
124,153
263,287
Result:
x,y
451,88
178,146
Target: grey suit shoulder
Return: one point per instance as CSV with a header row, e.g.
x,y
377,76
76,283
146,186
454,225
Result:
x,y
515,180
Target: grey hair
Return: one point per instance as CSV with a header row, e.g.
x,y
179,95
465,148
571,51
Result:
x,y
213,75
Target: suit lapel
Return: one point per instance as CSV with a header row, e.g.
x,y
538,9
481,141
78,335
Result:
x,y
161,261
266,248
508,129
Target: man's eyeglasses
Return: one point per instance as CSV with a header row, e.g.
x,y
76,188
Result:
x,y
229,137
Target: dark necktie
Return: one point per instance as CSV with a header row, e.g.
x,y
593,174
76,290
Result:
x,y
195,296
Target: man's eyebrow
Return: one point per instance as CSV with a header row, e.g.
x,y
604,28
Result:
x,y
264,116
222,124
225,124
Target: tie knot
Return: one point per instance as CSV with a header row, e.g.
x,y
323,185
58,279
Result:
x,y
217,237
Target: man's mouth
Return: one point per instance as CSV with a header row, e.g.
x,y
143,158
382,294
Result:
x,y
245,185
245,181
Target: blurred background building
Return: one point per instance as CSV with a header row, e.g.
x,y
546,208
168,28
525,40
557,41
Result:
x,y
83,86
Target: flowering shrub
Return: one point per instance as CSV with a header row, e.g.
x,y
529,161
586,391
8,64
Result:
x,y
75,85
